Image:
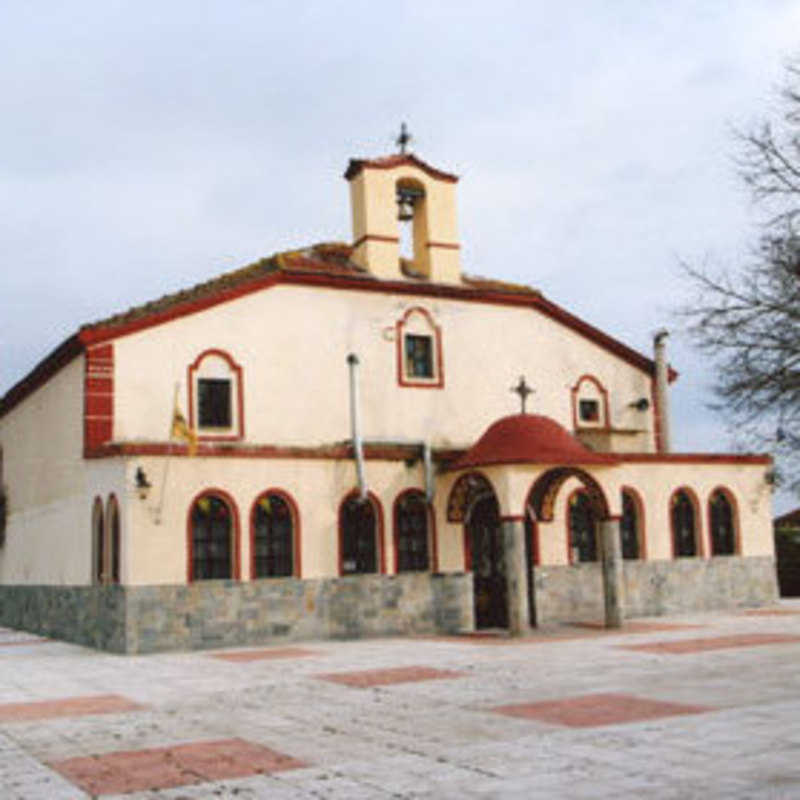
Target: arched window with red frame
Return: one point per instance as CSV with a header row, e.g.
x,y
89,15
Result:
x,y
360,534
113,539
213,537
684,521
722,522
412,532
98,542
631,525
274,530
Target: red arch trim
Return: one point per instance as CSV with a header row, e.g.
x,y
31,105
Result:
x,y
731,498
297,567
238,399
98,537
640,519
433,564
698,521
376,504
575,390
418,383
236,543
541,498
113,548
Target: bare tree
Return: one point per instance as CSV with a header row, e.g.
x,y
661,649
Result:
x,y
748,319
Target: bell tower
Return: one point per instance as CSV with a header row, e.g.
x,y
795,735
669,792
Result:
x,y
402,190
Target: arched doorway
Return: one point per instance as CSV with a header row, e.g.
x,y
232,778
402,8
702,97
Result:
x,y
473,502
590,508
488,563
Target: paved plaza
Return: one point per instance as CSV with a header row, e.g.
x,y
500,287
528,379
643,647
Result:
x,y
704,706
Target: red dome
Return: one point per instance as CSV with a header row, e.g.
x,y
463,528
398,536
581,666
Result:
x,y
529,439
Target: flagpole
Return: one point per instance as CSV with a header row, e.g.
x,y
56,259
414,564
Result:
x,y
160,507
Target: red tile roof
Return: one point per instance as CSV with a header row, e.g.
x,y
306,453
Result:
x,y
529,439
398,160
325,265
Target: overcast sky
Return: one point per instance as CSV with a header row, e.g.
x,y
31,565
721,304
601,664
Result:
x,y
148,146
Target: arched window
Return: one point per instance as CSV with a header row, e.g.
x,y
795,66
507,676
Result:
x,y
212,525
630,526
683,516
98,543
589,403
216,399
722,520
273,544
582,527
419,350
113,539
412,532
359,530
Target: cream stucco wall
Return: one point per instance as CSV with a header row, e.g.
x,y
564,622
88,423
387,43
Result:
x,y
45,478
292,342
159,554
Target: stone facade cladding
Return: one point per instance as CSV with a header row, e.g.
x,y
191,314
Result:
x,y
211,614
653,588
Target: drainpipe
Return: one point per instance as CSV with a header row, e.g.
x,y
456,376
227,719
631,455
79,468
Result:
x,y
355,427
427,460
662,386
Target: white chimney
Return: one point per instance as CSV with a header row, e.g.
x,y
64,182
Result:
x,y
662,387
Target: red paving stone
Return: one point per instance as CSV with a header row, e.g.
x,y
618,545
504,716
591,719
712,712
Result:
x,y
384,677
594,710
67,707
265,655
166,767
712,643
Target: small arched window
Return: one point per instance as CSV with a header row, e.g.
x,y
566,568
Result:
x,y
359,529
412,532
683,516
98,543
273,543
723,523
589,403
419,350
211,538
582,527
113,539
630,526
216,407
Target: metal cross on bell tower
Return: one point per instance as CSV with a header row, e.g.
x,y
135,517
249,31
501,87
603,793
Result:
x,y
403,139
523,390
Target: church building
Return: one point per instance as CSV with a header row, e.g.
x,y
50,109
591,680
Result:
x,y
341,441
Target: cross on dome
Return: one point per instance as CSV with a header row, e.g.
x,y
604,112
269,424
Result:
x,y
523,390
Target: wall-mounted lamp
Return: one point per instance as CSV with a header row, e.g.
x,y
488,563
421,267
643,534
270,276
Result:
x,y
142,484
642,404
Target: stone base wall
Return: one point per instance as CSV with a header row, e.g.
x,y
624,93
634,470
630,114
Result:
x,y
146,619
90,615
575,593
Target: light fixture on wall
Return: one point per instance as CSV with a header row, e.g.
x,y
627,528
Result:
x,y
642,404
142,484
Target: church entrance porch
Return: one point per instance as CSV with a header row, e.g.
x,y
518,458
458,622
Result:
x,y
487,556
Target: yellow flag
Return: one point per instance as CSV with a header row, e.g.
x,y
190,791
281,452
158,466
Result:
x,y
181,430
